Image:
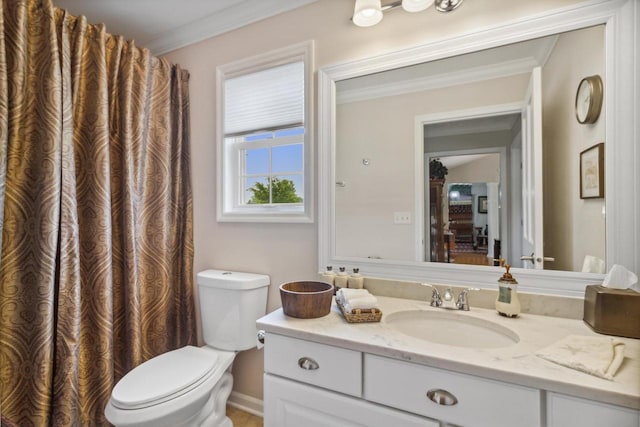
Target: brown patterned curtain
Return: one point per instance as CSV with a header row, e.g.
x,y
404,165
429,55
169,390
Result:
x,y
96,241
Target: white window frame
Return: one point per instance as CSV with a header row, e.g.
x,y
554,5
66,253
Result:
x,y
228,185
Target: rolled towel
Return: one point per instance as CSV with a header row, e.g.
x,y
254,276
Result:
x,y
361,303
599,356
348,293
345,294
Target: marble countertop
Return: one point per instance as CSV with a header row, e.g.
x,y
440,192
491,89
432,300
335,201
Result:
x,y
515,364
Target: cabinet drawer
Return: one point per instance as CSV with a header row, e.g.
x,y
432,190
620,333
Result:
x,y
568,410
480,402
318,364
292,404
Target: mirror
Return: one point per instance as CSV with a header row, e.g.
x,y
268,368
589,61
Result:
x,y
375,114
376,203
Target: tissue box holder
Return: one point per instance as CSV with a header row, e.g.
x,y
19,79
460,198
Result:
x,y
612,311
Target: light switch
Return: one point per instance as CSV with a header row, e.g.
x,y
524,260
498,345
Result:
x,y
402,217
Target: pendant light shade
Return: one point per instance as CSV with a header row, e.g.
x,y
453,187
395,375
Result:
x,y
367,13
416,5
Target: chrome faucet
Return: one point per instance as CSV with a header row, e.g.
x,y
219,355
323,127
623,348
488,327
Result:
x,y
447,299
436,300
463,299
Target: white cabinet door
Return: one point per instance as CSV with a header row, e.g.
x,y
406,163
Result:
x,y
567,411
291,404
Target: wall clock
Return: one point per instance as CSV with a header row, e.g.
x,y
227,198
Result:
x,y
589,99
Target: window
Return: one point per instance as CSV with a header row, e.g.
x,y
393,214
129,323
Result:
x,y
264,137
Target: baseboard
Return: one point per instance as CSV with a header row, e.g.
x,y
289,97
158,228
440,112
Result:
x,y
246,403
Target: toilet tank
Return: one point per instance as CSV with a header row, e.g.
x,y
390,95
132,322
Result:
x,y
230,304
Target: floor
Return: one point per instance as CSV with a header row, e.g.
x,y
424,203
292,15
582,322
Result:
x,y
240,418
466,253
471,259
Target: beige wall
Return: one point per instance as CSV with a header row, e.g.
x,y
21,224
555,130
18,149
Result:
x,y
578,225
289,251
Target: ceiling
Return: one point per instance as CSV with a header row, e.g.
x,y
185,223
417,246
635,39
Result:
x,y
165,25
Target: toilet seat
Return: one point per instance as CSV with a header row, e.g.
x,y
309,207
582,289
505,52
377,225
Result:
x,y
164,378
176,407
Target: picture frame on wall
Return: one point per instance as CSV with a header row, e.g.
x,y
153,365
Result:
x,y
592,172
482,204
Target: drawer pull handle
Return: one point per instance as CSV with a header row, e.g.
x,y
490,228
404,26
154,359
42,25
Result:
x,y
442,397
308,364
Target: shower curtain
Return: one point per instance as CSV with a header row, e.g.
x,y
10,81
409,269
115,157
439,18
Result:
x,y
96,238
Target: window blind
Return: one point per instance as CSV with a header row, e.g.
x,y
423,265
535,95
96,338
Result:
x,y
265,99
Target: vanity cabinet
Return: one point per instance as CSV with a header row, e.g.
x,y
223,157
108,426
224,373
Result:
x,y
311,384
563,410
316,385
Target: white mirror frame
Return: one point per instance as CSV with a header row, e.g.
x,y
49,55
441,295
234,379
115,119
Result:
x,y
622,153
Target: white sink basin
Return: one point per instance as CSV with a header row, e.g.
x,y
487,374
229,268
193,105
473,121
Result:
x,y
451,328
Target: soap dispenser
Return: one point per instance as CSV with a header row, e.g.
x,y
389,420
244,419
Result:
x,y
356,280
329,275
341,279
507,303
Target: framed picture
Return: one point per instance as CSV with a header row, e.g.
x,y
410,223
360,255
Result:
x,y
482,204
592,172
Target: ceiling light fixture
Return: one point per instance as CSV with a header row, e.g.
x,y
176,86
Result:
x,y
416,5
367,13
447,5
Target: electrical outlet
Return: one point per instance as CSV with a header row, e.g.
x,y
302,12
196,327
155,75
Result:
x,y
402,217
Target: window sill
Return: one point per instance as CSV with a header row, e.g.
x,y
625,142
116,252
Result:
x,y
267,215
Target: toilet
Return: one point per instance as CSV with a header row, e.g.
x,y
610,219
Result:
x,y
190,386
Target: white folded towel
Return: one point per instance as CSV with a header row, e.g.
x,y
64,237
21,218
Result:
x,y
352,299
348,293
344,294
364,302
599,356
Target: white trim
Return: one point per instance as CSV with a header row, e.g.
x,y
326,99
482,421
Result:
x,y
225,197
485,126
622,133
470,75
231,18
246,403
421,241
472,113
549,50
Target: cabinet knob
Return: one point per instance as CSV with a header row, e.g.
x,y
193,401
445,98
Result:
x,y
260,335
308,364
442,397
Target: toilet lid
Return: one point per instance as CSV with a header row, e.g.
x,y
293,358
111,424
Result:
x,y
163,377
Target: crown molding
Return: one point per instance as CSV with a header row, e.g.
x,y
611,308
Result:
x,y
470,127
439,81
234,17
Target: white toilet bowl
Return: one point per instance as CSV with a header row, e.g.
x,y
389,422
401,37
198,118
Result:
x,y
189,387
186,387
